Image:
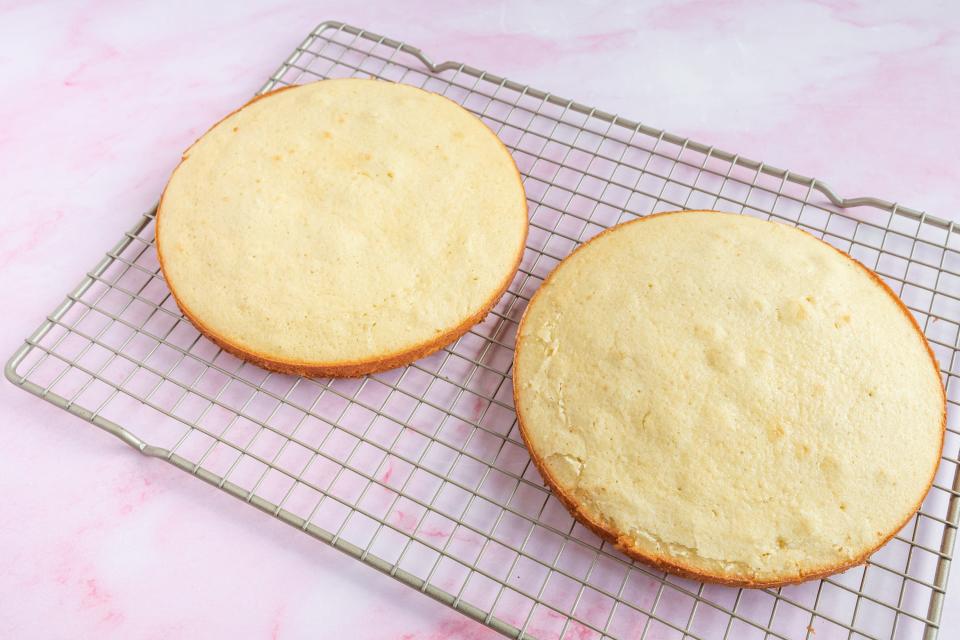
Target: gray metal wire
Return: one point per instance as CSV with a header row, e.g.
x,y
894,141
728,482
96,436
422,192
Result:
x,y
420,472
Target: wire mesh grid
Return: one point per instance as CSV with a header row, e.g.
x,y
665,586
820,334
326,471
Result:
x,y
420,472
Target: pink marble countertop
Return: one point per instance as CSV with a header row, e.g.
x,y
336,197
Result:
x,y
99,99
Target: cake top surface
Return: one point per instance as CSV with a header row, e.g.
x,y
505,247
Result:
x,y
728,397
341,221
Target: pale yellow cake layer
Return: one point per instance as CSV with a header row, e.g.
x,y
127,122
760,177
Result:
x,y
729,397
343,221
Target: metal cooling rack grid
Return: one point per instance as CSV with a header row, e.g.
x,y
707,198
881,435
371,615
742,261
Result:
x,y
420,472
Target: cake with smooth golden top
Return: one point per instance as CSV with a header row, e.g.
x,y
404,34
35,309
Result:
x,y
729,399
342,227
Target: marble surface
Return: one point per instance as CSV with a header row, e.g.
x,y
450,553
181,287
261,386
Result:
x,y
100,97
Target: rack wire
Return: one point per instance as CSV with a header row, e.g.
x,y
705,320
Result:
x,y
420,472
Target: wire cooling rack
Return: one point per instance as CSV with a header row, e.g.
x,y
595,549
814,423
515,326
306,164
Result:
x,y
420,472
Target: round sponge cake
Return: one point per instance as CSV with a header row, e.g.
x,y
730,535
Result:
x,y
728,399
341,227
